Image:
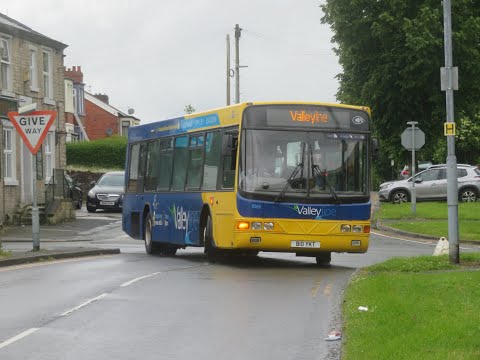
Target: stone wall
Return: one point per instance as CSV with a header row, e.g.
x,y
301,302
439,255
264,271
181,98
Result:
x,y
84,178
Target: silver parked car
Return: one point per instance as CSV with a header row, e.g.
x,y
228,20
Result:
x,y
431,184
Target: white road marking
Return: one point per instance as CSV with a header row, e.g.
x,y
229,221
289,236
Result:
x,y
18,337
427,242
128,283
84,304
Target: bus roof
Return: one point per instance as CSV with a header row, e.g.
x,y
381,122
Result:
x,y
225,116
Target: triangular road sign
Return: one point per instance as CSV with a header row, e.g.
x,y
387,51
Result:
x,y
33,127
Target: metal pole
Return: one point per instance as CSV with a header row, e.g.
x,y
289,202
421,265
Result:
x,y
414,193
237,63
35,212
452,187
228,70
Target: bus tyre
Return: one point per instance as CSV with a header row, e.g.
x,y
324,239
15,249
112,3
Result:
x,y
150,247
210,249
324,259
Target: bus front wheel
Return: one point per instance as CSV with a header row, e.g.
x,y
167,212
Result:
x,y
324,259
150,247
210,249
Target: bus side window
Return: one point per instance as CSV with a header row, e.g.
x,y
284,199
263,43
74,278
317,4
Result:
x,y
165,164
133,168
153,170
213,152
230,145
195,162
180,163
141,168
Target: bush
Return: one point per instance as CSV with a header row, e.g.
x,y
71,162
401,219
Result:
x,y
106,153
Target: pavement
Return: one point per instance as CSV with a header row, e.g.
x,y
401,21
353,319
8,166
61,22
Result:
x,y
78,238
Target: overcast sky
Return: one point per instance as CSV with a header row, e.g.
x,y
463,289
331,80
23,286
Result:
x,y
156,56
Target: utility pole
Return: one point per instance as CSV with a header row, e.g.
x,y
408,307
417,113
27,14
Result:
x,y
238,32
449,77
228,69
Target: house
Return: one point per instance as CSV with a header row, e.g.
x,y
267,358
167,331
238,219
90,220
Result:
x,y
103,120
31,72
75,104
91,117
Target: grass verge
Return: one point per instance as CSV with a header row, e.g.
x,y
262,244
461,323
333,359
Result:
x,y
431,219
419,308
4,254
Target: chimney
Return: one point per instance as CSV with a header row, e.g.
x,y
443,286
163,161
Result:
x,y
75,73
102,97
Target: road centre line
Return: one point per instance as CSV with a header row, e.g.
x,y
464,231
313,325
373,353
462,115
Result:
x,y
84,304
18,337
128,283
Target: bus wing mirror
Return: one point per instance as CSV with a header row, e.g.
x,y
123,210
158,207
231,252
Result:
x,y
375,149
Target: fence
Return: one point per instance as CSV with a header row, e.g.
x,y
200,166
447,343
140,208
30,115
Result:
x,y
57,187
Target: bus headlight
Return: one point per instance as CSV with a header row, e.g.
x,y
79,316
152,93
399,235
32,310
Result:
x,y
268,226
256,226
345,228
357,228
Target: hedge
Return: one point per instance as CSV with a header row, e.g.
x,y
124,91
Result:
x,y
104,153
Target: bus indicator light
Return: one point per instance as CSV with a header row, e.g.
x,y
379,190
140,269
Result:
x,y
366,229
211,200
243,225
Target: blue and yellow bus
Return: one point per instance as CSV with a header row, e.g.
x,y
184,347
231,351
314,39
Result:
x,y
263,176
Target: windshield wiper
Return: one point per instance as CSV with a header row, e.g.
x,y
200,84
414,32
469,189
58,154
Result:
x,y
292,175
290,178
316,171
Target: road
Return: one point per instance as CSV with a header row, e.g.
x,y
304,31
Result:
x,y
133,305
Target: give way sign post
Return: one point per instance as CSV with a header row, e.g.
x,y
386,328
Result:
x,y
33,128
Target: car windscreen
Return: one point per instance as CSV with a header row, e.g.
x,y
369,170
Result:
x,y
112,180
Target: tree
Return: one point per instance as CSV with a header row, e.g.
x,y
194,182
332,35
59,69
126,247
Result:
x,y
391,52
189,109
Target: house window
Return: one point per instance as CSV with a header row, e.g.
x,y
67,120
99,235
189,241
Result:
x,y
125,126
47,75
5,63
33,70
9,174
49,155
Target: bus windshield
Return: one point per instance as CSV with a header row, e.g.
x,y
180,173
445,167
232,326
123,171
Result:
x,y
303,163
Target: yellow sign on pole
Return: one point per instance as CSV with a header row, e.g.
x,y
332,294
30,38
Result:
x,y
449,129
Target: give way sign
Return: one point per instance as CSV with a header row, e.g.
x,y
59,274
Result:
x,y
33,127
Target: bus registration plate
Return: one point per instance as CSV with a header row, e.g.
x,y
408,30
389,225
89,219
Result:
x,y
305,244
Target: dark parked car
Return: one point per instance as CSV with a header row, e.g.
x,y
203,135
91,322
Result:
x,y
74,192
107,192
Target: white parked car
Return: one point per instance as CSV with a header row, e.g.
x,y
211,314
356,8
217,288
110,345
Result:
x,y
431,184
